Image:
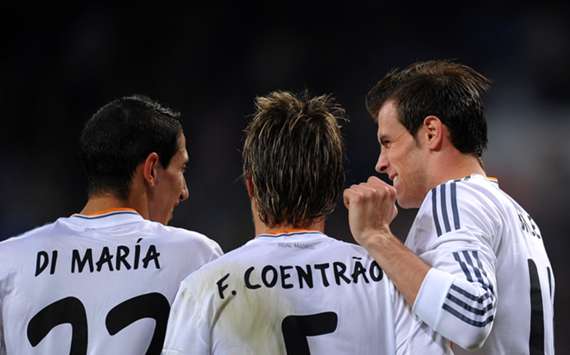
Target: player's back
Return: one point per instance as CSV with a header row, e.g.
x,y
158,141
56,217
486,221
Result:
x,y
525,282
95,285
296,293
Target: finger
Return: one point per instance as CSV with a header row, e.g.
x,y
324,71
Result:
x,y
349,196
365,187
391,191
346,197
375,181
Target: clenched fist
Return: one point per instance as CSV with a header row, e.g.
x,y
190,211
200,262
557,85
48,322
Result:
x,y
371,208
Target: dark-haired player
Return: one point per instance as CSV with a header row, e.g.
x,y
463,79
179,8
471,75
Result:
x,y
482,279
101,281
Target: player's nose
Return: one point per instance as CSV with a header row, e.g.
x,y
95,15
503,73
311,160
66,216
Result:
x,y
381,164
185,193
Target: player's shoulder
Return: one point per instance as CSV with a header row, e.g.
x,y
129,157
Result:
x,y
13,247
177,235
200,280
473,201
39,232
231,260
347,247
475,191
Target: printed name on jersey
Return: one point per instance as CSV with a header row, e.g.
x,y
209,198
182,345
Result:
x,y
528,225
297,276
474,309
117,258
442,217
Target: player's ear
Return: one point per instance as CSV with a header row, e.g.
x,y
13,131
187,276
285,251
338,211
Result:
x,y
433,132
249,186
150,169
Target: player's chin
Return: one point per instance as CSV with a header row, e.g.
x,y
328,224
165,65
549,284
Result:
x,y
402,201
406,202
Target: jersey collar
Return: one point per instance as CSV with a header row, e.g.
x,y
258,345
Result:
x,y
288,232
104,218
479,176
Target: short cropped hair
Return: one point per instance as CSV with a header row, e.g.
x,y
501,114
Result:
x,y
120,136
294,153
451,91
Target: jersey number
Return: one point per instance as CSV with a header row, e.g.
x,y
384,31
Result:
x,y
296,329
71,310
536,340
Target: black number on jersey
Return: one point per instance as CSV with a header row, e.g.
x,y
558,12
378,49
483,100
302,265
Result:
x,y
151,305
296,329
67,310
71,310
536,339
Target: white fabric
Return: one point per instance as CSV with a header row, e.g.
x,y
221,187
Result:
x,y
481,240
158,258
246,302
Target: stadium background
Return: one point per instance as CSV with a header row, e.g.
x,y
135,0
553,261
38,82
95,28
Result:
x,y
209,61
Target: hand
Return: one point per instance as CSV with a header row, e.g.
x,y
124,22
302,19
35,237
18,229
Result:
x,y
371,208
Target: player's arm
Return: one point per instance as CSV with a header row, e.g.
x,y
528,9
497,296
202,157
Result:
x,y
456,297
188,330
371,209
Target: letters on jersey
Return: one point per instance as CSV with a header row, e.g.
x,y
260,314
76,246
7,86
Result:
x,y
114,258
294,293
304,276
108,279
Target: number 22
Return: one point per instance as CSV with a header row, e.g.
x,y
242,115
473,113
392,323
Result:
x,y
71,310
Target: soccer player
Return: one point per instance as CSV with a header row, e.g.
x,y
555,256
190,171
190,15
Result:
x,y
482,279
293,289
101,281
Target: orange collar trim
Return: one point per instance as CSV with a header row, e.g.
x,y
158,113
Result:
x,y
289,230
109,210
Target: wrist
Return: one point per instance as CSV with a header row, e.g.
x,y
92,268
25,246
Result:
x,y
376,239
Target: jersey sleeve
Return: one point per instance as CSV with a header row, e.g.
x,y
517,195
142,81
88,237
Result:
x,y
414,336
2,343
5,285
188,330
458,296
216,251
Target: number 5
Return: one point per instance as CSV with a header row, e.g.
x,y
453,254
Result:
x,y
296,329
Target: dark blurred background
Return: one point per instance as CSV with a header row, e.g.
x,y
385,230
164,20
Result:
x,y
209,61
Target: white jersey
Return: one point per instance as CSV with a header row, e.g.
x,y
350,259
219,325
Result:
x,y
491,283
94,285
297,293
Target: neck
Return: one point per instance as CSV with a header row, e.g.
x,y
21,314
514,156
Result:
x,y
288,228
105,201
262,228
455,166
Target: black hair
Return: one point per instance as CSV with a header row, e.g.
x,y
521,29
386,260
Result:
x,y
121,135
